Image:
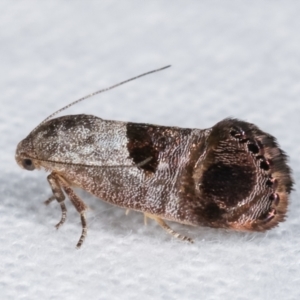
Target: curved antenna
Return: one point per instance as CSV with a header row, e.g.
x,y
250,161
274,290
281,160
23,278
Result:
x,y
101,91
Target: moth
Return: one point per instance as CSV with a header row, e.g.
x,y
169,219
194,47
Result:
x,y
232,175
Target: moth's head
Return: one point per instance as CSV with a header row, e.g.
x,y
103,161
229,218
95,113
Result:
x,y
25,155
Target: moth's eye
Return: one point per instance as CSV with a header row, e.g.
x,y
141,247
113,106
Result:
x,y
28,164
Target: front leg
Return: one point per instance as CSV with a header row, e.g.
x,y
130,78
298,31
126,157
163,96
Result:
x,y
58,185
59,196
80,207
78,204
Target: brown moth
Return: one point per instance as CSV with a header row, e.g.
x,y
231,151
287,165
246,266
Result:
x,y
232,175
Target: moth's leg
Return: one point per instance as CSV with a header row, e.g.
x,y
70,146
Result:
x,y
80,207
145,216
47,202
145,219
162,223
59,196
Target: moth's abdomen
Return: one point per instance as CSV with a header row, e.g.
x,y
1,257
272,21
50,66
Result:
x,y
242,181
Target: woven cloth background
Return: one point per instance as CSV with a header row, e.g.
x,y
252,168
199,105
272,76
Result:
x,y
229,58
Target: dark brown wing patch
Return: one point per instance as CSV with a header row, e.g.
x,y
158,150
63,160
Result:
x,y
228,184
145,141
141,146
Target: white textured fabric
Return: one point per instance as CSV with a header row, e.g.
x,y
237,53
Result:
x,y
229,58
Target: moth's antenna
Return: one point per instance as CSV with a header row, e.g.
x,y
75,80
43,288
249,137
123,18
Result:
x,y
101,91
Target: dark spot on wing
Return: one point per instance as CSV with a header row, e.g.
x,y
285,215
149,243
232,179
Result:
x,y
141,146
211,211
148,141
228,183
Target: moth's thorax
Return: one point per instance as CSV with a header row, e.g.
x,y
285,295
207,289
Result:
x,y
82,139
